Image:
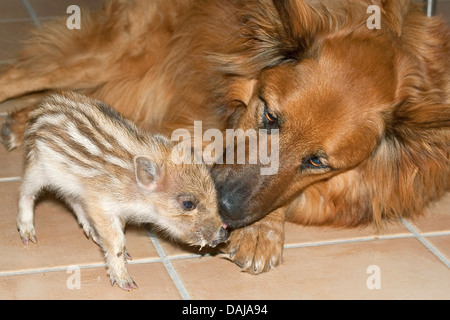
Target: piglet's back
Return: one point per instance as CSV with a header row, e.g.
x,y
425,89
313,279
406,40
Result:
x,y
87,135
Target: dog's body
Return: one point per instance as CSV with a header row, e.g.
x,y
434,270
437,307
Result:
x,y
363,114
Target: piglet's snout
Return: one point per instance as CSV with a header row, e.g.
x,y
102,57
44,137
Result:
x,y
221,236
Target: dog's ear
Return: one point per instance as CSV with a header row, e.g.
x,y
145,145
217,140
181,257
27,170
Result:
x,y
422,116
290,17
301,19
393,13
420,132
304,19
237,98
410,167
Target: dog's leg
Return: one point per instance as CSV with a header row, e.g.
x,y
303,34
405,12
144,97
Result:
x,y
258,248
13,129
47,64
17,81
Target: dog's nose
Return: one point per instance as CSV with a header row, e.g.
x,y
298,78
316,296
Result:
x,y
234,194
232,205
228,208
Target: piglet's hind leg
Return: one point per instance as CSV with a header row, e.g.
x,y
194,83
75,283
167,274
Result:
x,y
25,218
32,184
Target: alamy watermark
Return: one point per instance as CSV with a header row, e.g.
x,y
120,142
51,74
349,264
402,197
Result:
x,y
374,21
74,20
374,280
241,147
73,282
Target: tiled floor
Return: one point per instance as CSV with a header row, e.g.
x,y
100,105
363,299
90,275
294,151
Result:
x,y
409,260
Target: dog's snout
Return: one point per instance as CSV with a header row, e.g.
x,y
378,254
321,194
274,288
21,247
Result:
x,y
239,189
228,208
233,197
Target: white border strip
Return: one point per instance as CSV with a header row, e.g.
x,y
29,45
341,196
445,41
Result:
x,y
427,244
166,261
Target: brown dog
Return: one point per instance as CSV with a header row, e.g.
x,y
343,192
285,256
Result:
x,y
362,114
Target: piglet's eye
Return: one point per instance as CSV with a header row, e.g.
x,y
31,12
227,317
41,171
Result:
x,y
187,202
188,205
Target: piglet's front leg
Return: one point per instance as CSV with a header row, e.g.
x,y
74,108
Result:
x,y
112,240
118,273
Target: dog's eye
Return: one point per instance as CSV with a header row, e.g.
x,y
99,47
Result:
x,y
314,162
270,121
270,117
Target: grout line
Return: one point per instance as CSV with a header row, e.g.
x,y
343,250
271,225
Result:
x,y
427,244
166,261
7,61
47,270
142,261
12,179
81,266
343,241
13,20
435,233
32,13
188,256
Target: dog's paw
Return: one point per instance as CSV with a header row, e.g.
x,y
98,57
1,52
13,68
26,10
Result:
x,y
258,247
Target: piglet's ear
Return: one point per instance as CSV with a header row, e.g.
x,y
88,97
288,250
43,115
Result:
x,y
147,173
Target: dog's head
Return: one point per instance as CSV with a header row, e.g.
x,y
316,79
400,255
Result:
x,y
327,110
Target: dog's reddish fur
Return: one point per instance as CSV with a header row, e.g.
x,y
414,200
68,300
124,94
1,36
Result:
x,y
373,103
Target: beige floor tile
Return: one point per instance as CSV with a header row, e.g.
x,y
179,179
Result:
x,y
177,249
93,283
407,271
437,219
297,234
301,235
61,242
441,243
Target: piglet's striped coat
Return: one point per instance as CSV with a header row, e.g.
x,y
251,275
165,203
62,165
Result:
x,y
111,173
